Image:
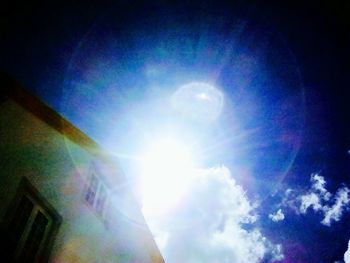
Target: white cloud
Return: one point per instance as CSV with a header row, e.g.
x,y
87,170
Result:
x,y
291,200
278,216
334,212
310,200
316,195
209,226
276,252
318,184
318,199
347,254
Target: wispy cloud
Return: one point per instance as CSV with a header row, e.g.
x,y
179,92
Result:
x,y
319,185
310,200
319,199
278,216
334,212
214,225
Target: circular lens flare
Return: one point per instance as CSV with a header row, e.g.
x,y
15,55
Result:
x,y
199,101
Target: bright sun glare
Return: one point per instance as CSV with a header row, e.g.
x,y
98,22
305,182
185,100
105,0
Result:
x,y
167,170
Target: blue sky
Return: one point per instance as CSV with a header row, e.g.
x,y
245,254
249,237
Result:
x,y
272,163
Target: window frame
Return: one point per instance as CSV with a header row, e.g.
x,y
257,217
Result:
x,y
40,203
102,215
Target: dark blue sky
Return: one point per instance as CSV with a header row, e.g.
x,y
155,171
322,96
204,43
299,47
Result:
x,y
284,67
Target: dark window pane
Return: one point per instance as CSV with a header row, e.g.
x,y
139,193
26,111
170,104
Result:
x,y
19,221
34,239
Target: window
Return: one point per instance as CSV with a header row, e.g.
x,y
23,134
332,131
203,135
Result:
x,y
96,195
30,227
92,190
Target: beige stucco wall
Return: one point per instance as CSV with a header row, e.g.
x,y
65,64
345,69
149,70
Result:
x,y
59,169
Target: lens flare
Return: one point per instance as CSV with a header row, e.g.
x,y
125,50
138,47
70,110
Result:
x,y
199,101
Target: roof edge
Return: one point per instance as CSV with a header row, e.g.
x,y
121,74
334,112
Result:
x,y
11,88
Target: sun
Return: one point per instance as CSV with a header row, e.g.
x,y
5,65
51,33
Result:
x,y
166,172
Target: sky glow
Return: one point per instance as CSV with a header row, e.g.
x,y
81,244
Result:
x,y
212,128
199,101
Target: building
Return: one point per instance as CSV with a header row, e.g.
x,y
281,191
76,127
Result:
x,y
62,197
